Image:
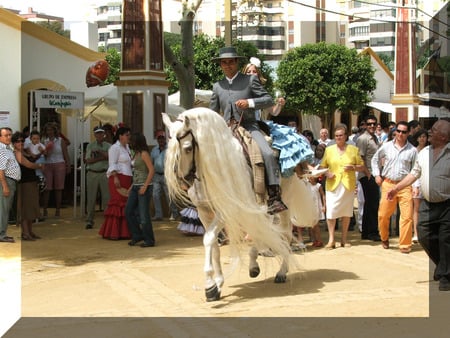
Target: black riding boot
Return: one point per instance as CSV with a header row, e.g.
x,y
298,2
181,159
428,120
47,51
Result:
x,y
275,204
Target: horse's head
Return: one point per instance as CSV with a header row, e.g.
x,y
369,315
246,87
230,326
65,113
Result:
x,y
180,131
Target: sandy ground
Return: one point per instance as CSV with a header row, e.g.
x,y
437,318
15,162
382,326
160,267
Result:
x,y
72,283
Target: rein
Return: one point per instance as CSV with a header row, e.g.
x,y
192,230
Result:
x,y
191,176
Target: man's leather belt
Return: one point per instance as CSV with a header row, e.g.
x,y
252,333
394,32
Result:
x,y
97,171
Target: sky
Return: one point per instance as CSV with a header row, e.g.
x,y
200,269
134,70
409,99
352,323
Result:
x,y
70,10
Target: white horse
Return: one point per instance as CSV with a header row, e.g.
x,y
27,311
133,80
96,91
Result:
x,y
206,165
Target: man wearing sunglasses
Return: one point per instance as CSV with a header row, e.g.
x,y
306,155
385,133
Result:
x,y
396,158
367,144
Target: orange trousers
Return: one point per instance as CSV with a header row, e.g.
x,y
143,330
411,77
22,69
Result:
x,y
387,208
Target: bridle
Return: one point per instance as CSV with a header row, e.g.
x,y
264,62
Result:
x,y
191,176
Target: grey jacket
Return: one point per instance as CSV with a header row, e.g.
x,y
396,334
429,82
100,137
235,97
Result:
x,y
225,95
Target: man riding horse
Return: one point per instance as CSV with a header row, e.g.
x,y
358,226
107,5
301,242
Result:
x,y
237,96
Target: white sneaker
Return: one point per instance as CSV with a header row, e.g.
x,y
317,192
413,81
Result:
x,y
415,239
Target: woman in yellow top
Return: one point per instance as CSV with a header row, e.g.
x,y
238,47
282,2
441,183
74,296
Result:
x,y
342,161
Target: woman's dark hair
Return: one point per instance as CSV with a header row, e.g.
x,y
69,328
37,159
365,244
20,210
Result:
x,y
308,133
415,137
138,142
121,131
16,136
107,126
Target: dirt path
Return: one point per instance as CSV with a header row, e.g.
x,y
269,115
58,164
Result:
x,y
72,272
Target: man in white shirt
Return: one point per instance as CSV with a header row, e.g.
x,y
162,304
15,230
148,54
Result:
x,y
432,167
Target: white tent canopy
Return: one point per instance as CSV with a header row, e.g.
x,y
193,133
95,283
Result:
x,y
202,98
101,103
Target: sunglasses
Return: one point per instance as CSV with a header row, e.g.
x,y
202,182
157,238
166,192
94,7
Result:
x,y
402,131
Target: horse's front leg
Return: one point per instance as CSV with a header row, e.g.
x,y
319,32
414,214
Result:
x,y
212,268
283,225
253,267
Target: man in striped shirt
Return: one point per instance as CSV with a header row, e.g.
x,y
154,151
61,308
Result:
x,y
9,176
397,158
432,167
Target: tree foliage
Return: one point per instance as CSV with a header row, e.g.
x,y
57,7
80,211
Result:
x,y
207,72
183,66
322,78
188,64
114,59
55,26
388,60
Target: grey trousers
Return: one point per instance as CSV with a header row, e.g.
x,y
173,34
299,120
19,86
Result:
x,y
94,182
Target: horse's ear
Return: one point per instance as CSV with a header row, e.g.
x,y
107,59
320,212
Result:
x,y
187,122
166,120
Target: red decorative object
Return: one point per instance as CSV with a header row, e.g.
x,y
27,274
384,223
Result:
x,y
97,73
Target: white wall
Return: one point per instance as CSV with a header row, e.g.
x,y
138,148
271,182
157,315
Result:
x,y
85,34
10,79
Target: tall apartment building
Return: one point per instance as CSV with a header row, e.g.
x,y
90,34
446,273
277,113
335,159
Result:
x,y
273,26
372,23
276,26
109,23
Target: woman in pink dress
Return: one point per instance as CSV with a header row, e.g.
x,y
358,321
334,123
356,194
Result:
x,y
119,181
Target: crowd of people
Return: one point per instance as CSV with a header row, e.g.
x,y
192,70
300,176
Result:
x,y
388,168
121,174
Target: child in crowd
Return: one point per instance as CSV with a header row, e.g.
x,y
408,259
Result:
x,y
37,150
320,194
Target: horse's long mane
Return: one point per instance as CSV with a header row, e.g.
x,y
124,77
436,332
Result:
x,y
225,177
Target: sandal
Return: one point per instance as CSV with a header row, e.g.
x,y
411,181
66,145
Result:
x,y
330,246
345,245
27,237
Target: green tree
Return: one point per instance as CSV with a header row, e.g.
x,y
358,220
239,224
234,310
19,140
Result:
x,y
207,72
55,26
182,59
388,60
183,66
114,59
322,78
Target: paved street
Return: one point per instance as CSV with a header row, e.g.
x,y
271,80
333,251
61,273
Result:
x,y
84,280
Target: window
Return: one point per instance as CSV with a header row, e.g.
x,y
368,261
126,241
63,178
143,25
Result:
x,y
133,107
159,106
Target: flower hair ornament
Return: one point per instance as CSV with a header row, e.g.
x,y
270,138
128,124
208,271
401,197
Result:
x,y
256,62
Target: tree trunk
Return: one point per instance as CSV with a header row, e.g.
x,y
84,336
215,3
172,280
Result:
x,y
184,68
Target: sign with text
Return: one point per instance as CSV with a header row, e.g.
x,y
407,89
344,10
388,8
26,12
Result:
x,y
4,118
66,100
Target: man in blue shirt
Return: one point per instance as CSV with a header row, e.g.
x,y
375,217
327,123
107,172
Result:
x,y
158,154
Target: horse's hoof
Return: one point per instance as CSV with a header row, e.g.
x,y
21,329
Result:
x,y
280,279
212,293
254,272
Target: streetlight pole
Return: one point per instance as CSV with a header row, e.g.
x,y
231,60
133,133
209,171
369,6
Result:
x,y
228,23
